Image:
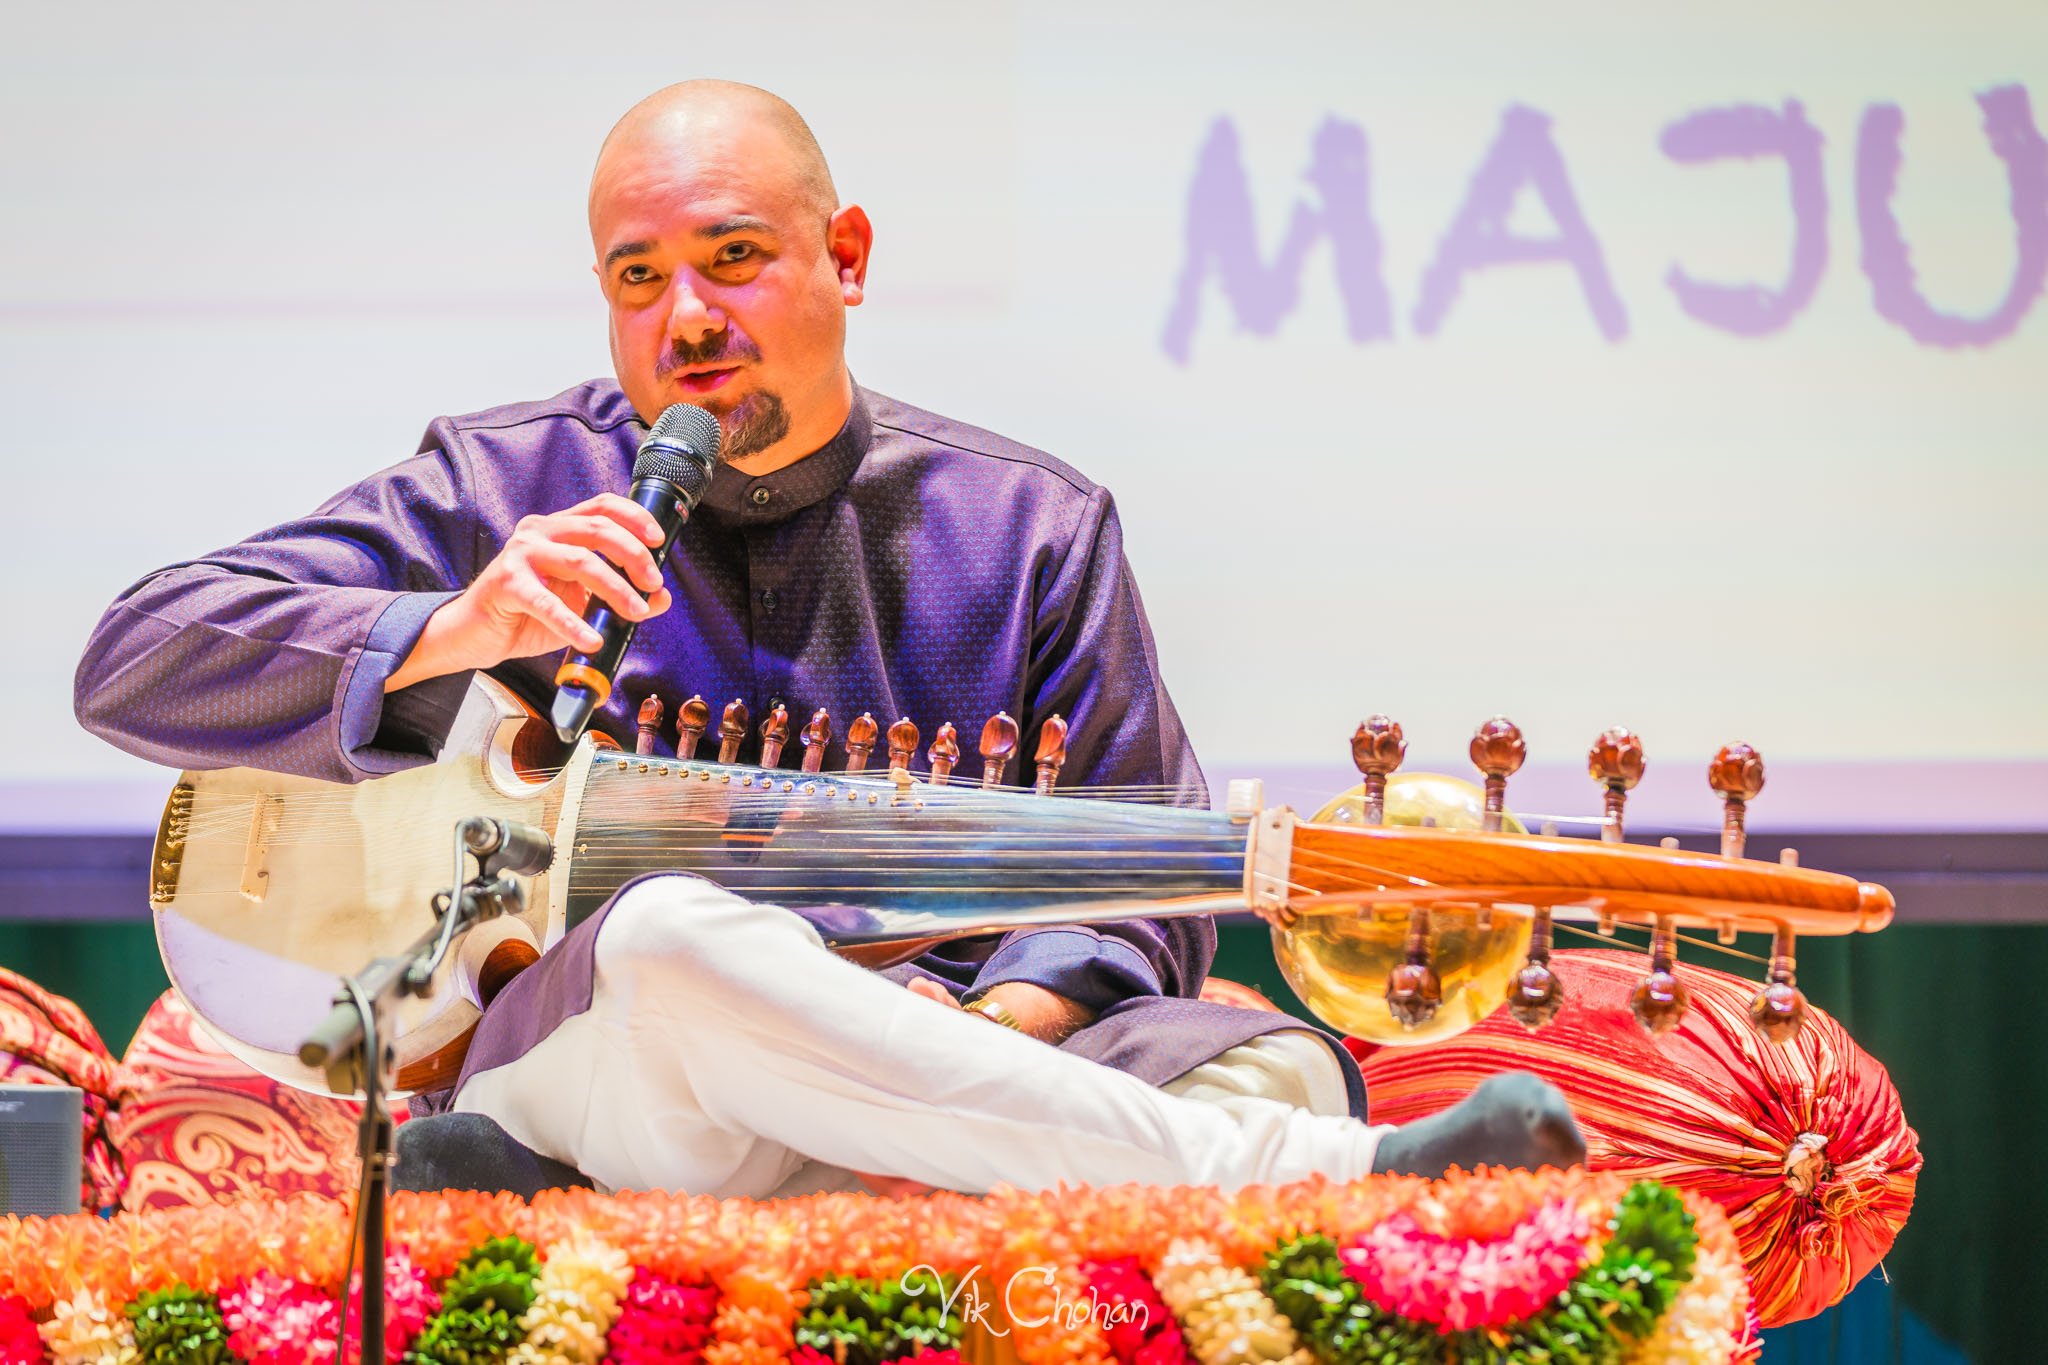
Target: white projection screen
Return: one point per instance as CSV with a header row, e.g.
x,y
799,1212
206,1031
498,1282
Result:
x,y
1678,367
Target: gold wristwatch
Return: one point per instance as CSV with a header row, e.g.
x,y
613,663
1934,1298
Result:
x,y
990,1010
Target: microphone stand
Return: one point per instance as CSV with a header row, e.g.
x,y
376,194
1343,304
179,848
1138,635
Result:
x,y
354,1047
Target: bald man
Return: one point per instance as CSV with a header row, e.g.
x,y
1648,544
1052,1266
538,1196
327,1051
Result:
x,y
852,553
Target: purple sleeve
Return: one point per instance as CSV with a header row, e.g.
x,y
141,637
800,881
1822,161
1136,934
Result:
x,y
1093,663
273,653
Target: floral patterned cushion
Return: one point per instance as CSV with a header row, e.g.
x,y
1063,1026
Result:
x,y
196,1125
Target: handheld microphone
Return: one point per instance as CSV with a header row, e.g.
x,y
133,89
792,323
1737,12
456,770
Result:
x,y
669,477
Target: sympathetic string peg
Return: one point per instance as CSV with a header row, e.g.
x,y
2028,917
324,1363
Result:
x,y
1616,762
816,737
732,731
944,753
1536,995
1377,748
1497,751
902,745
1052,754
860,742
1737,774
1660,999
1779,1010
774,734
1414,991
998,746
650,725
692,719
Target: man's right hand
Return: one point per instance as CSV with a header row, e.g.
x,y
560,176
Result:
x,y
530,599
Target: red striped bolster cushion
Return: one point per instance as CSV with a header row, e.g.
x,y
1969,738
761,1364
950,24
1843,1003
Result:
x,y
1805,1145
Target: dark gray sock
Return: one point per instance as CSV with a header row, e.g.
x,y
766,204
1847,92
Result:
x,y
471,1152
1513,1119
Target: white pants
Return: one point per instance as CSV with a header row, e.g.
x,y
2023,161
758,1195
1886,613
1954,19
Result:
x,y
727,1052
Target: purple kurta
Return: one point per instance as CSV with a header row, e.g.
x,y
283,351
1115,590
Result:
x,y
913,566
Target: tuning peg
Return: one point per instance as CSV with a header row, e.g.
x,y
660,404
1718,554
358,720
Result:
x,y
1377,748
998,744
1536,995
816,736
860,742
944,753
1497,751
1052,754
1660,999
732,729
902,745
1737,773
1414,991
1615,761
774,734
650,725
1779,1010
691,720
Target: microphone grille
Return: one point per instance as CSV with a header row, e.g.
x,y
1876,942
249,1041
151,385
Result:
x,y
681,447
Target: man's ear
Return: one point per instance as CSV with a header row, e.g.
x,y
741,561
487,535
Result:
x,y
850,237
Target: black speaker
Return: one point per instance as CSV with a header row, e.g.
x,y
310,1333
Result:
x,y
42,1145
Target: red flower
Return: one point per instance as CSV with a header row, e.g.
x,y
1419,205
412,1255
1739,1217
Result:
x,y
20,1343
662,1322
1138,1325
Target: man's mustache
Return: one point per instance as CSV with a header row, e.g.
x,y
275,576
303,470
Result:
x,y
723,346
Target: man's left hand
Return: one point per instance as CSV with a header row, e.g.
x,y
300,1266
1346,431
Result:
x,y
1045,1015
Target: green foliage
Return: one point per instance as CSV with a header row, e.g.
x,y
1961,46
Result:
x,y
1309,1283
498,1274
466,1336
180,1326
481,1304
1649,1257
874,1322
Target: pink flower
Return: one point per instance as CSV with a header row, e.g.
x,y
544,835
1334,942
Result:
x,y
1457,1283
20,1343
662,1322
409,1300
275,1321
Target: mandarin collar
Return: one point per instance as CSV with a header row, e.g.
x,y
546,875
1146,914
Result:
x,y
743,499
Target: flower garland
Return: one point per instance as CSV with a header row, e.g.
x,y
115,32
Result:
x,y
1224,1314
661,1322
275,1321
575,1303
1500,1267
481,1303
87,1330
861,1322
1140,1327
